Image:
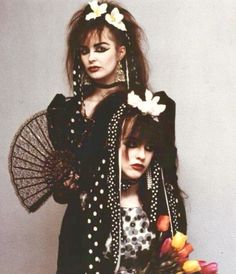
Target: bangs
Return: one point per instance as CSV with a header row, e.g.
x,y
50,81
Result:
x,y
142,128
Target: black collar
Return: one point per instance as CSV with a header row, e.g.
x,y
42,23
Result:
x,y
106,86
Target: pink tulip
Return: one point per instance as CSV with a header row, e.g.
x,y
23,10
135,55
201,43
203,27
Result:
x,y
166,247
163,223
208,268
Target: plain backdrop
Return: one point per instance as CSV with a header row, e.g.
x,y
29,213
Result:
x,y
192,53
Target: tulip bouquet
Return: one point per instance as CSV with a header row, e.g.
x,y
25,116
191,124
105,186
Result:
x,y
171,256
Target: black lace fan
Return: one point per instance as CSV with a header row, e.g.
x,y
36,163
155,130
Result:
x,y
34,165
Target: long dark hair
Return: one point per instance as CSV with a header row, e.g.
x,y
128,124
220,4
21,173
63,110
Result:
x,y
79,29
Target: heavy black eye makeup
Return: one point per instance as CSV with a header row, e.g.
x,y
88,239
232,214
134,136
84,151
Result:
x,y
149,148
130,143
83,50
133,142
99,47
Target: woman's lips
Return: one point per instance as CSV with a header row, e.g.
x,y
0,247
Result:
x,y
138,167
93,69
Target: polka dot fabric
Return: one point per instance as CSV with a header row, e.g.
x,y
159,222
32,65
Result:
x,y
136,237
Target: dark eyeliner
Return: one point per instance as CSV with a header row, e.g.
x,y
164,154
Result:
x,y
130,143
149,148
101,49
83,50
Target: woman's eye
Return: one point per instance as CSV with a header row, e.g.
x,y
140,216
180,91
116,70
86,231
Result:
x,y
83,51
101,49
130,144
149,148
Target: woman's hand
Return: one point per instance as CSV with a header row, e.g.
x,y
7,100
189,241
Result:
x,y
63,191
71,182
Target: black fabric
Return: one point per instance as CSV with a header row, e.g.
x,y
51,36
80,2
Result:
x,y
70,255
94,133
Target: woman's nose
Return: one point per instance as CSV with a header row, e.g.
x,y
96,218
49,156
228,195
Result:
x,y
141,152
91,56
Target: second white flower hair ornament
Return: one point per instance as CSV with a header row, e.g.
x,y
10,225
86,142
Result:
x,y
148,106
97,10
114,18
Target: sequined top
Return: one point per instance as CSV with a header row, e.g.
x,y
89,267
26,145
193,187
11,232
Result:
x,y
136,238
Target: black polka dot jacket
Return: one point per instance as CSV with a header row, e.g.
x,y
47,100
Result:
x,y
93,212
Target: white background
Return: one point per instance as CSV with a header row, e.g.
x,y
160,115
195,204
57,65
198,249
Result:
x,y
192,54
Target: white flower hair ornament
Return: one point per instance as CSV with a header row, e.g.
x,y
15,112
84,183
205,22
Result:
x,y
115,18
97,10
149,106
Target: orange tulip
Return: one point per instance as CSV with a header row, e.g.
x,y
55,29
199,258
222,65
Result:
x,y
178,241
163,223
184,252
191,266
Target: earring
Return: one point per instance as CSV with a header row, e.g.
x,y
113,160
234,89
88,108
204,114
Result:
x,y
149,179
127,73
86,80
120,75
83,197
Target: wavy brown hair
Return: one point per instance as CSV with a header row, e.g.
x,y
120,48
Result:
x,y
79,29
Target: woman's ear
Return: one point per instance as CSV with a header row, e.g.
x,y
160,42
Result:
x,y
121,52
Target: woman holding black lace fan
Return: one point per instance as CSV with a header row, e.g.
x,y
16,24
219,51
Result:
x,y
104,62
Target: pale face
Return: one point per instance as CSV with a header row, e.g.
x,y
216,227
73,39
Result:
x,y
101,57
135,158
